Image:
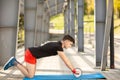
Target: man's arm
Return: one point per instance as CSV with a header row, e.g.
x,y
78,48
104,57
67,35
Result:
x,y
66,60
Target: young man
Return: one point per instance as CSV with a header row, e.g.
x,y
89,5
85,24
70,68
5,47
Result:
x,y
49,49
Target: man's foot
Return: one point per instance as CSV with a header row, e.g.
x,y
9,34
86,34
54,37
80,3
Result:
x,y
10,63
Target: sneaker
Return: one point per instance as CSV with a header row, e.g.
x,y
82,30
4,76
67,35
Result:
x,y
10,63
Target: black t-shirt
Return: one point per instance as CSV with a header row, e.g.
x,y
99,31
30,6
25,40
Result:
x,y
48,49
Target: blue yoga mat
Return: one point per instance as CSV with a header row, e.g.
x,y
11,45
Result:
x,y
93,76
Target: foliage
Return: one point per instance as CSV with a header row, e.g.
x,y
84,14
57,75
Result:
x,y
21,29
117,8
58,21
89,7
88,23
21,22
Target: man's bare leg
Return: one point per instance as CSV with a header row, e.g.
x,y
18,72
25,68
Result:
x,y
28,70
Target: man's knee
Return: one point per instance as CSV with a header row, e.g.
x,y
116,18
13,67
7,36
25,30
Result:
x,y
30,76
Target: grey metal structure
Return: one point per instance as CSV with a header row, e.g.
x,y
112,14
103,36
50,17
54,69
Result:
x,y
30,22
72,18
54,6
40,8
65,20
69,24
100,17
9,11
69,15
107,34
80,14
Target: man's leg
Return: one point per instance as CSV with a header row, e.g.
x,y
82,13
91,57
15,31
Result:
x,y
28,70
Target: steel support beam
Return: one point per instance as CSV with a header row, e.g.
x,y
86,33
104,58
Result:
x,y
112,60
107,34
30,22
46,31
100,15
40,8
69,24
65,21
72,18
9,11
47,26
80,15
43,25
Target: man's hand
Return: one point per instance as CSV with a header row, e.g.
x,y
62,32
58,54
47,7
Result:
x,y
77,72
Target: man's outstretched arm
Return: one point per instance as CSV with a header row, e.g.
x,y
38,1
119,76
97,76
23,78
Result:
x,y
66,60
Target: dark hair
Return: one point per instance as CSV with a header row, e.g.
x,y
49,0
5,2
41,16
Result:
x,y
68,37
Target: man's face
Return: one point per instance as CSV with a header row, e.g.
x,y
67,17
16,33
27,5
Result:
x,y
68,44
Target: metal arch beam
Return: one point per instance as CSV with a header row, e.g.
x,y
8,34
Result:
x,y
47,5
58,2
54,6
41,1
51,5
51,2
59,11
59,7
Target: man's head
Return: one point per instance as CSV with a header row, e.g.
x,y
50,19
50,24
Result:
x,y
68,41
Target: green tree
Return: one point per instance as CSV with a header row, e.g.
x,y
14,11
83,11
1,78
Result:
x,y
117,7
21,28
89,7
